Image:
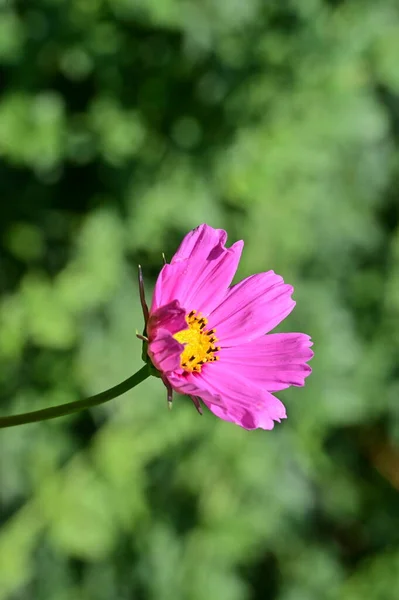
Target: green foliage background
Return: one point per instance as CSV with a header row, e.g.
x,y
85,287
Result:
x,y
123,124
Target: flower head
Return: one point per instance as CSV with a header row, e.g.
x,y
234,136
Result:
x,y
207,338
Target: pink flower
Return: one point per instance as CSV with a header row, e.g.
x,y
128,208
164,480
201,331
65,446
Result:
x,y
207,338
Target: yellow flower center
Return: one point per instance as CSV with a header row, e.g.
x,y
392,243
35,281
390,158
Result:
x,y
199,343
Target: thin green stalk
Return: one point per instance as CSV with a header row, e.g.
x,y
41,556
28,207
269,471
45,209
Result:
x,y
72,407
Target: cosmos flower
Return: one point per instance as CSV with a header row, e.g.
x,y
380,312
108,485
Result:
x,y
211,340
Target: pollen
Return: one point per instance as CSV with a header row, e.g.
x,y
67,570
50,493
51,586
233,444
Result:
x,y
199,343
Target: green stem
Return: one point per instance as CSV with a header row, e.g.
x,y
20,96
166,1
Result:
x,y
72,407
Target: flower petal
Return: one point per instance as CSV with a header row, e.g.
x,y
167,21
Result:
x,y
165,351
199,243
200,272
274,361
244,402
248,419
190,385
171,316
231,397
251,308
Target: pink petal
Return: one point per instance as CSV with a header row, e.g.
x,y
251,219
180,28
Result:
x,y
200,272
199,243
231,397
171,316
251,308
165,351
274,361
244,402
248,419
191,385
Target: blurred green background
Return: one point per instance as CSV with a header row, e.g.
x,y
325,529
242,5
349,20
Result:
x,y
123,124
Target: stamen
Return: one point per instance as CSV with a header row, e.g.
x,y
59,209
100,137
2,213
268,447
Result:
x,y
198,343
